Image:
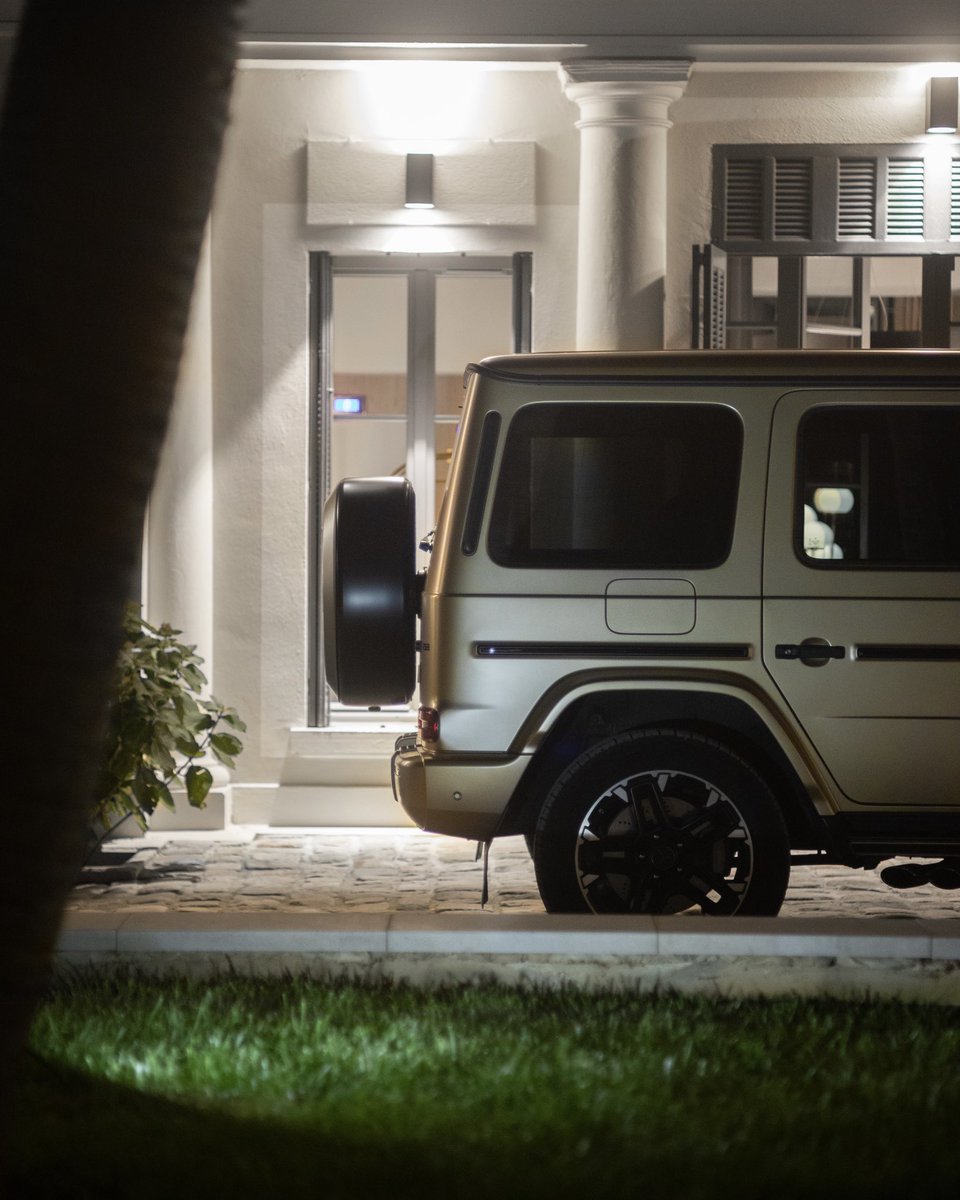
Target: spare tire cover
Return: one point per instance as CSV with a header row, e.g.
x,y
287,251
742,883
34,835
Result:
x,y
369,592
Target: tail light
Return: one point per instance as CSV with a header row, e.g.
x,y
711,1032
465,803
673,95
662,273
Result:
x,y
428,724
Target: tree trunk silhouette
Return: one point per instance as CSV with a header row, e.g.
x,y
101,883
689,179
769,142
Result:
x,y
110,137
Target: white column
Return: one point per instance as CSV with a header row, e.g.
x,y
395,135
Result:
x,y
621,254
179,574
179,566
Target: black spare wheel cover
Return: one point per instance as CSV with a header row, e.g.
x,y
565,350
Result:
x,y
369,599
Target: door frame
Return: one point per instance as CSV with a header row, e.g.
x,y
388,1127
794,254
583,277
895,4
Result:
x,y
854,608
421,271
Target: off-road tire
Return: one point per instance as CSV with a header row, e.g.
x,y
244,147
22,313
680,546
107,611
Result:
x,y
661,821
369,591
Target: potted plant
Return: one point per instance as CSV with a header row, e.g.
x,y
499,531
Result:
x,y
161,726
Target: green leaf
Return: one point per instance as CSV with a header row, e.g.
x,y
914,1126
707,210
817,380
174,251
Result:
x,y
146,790
198,781
194,677
225,743
190,709
163,758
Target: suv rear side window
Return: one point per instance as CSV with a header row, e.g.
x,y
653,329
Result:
x,y
617,485
879,487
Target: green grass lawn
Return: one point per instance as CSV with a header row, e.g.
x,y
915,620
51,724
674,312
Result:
x,y
294,1088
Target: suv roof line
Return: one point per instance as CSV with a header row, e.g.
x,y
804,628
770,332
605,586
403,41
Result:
x,y
705,366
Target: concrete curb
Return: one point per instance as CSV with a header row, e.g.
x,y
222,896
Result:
x,y
776,955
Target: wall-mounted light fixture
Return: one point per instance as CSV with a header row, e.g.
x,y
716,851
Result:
x,y
420,181
942,104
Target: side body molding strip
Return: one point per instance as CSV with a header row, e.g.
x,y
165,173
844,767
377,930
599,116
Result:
x,y
646,650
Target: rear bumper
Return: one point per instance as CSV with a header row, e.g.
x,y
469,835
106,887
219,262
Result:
x,y
456,795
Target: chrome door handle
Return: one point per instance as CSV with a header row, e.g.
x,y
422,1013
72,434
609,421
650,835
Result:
x,y
815,653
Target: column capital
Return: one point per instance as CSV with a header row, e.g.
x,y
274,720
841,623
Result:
x,y
624,91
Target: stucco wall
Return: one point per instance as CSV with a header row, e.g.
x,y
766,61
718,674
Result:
x,y
261,244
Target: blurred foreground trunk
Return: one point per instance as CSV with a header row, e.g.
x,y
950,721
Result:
x,y
109,143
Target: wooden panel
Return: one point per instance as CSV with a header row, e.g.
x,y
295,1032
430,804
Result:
x,y
386,395
383,395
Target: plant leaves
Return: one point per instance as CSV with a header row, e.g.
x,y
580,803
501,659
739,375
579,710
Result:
x,y
198,781
160,722
194,676
161,755
225,743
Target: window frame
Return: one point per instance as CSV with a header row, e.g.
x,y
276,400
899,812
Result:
x,y
835,565
526,558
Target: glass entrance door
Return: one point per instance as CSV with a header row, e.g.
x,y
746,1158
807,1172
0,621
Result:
x,y
394,334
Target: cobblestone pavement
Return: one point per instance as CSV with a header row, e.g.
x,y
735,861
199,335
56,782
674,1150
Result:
x,y
401,870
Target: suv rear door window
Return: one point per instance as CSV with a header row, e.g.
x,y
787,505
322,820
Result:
x,y
614,485
879,487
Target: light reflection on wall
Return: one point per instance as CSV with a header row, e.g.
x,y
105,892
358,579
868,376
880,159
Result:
x,y
419,237
422,103
914,76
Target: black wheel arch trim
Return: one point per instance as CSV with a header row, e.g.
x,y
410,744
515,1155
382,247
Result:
x,y
599,713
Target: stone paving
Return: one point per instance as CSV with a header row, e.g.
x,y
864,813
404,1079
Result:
x,y
403,870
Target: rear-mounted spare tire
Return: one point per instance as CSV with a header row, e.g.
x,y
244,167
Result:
x,y
369,591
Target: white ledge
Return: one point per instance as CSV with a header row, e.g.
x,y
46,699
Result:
x,y
372,739
528,934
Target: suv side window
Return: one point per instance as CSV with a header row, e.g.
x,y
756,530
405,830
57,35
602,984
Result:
x,y
617,486
878,487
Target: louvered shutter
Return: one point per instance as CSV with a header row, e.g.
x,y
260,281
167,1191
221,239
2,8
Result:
x,y
792,197
709,299
779,199
744,192
856,198
905,177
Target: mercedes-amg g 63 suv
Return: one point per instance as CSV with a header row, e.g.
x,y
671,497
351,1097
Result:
x,y
688,619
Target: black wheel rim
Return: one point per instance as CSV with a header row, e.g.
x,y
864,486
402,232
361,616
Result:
x,y
663,842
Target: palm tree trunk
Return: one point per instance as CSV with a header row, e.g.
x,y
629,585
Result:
x,y
109,143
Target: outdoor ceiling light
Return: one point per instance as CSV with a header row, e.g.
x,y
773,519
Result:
x,y
420,181
942,104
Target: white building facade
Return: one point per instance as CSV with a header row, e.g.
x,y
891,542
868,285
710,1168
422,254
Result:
x,y
587,153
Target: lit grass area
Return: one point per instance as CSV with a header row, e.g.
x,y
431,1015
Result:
x,y
295,1088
